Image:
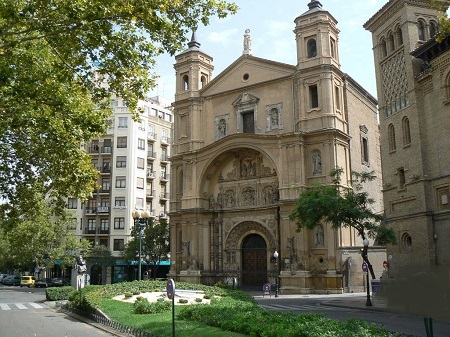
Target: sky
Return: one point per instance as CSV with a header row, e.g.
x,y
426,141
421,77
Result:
x,y
271,25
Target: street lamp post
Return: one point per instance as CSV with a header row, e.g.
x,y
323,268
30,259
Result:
x,y
140,219
275,255
366,247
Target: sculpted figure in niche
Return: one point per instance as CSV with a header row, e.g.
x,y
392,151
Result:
x,y
229,199
248,197
317,162
269,195
319,236
220,200
222,128
274,117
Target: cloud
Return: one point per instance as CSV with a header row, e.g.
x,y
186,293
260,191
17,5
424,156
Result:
x,y
275,28
225,37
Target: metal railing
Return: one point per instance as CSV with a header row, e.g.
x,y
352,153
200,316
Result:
x,y
111,324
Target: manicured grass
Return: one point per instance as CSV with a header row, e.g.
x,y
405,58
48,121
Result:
x,y
231,313
160,324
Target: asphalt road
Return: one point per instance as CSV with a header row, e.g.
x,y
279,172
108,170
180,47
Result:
x,y
23,313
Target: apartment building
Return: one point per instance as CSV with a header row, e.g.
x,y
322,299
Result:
x,y
133,161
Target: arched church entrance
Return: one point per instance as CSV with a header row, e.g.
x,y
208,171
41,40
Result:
x,y
96,274
254,260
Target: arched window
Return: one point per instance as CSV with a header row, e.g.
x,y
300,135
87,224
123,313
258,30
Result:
x,y
185,82
406,131
391,41
399,36
421,30
383,48
203,81
312,48
433,29
391,132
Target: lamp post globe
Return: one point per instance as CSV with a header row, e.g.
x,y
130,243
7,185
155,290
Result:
x,y
275,255
140,220
366,246
366,242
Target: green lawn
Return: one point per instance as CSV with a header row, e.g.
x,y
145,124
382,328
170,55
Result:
x,y
231,313
160,324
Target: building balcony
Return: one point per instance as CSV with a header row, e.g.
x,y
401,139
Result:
x,y
104,209
164,176
150,174
106,169
104,190
93,149
90,210
165,139
106,150
89,231
151,155
122,109
104,231
151,136
164,196
165,158
150,193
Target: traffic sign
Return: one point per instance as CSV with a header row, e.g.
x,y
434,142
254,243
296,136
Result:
x,y
170,289
364,267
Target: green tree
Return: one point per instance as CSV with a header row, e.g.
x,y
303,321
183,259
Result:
x,y
38,240
444,21
54,58
343,207
155,242
101,255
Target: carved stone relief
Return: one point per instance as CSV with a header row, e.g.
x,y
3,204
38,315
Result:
x,y
245,182
237,233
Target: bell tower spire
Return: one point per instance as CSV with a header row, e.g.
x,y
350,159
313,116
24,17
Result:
x,y
317,37
193,70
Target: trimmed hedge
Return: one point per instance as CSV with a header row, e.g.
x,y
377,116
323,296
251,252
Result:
x,y
58,293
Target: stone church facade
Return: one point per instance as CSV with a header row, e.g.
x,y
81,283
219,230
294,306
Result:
x,y
413,84
246,142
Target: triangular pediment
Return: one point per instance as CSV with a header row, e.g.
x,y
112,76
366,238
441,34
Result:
x,y
245,99
247,71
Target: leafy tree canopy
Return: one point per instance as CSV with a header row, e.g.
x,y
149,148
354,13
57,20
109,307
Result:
x,y
342,207
39,240
444,20
53,54
155,242
101,255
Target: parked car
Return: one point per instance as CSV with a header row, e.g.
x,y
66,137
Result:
x,y
57,282
41,283
27,281
2,276
13,280
7,279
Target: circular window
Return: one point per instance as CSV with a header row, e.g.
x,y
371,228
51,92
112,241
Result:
x,y
245,77
406,241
